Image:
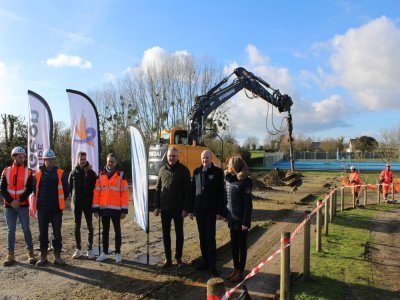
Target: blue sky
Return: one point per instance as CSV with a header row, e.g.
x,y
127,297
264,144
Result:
x,y
338,60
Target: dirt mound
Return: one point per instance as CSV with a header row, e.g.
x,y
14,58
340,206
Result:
x,y
267,179
276,177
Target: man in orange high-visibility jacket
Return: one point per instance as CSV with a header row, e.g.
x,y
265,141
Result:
x,y
354,179
110,202
51,188
16,186
385,179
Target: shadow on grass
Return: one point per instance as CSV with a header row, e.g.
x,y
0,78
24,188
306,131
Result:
x,y
326,288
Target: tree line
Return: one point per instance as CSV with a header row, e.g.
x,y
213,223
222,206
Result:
x,y
152,96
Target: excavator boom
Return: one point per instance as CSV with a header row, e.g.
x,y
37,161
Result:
x,y
218,95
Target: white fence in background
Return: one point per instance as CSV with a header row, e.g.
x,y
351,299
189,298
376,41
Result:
x,y
272,158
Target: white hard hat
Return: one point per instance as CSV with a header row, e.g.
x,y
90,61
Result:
x,y
18,150
387,165
48,154
352,168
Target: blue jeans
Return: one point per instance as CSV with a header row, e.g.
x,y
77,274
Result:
x,y
11,215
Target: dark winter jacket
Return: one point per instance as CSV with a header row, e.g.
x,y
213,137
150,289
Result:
x,y
173,190
81,184
239,204
47,199
208,190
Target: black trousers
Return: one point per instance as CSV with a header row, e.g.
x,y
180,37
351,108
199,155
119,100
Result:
x,y
105,221
239,248
166,218
55,219
206,222
89,223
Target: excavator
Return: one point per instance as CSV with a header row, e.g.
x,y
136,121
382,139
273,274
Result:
x,y
190,143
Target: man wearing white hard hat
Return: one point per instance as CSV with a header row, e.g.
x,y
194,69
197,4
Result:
x,y
51,188
16,186
354,180
385,179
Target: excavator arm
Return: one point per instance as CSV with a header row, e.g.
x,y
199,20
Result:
x,y
206,104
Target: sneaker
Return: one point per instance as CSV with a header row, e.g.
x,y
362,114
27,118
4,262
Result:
x,y
118,258
77,253
90,254
102,257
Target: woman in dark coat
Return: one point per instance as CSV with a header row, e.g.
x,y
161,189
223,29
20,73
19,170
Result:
x,y
238,186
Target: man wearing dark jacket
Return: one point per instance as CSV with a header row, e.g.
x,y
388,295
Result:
x,y
51,189
172,199
82,181
208,198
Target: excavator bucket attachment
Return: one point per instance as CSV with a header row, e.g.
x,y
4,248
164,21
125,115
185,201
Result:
x,y
293,179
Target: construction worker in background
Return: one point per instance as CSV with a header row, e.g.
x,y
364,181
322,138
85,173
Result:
x,y
82,181
385,179
110,202
51,188
16,186
354,180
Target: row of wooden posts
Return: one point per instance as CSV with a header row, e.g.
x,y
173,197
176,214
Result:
x,y
215,286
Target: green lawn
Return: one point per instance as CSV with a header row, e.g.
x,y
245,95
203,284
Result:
x,y
342,265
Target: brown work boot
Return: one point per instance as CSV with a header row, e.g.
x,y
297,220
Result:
x,y
237,277
31,257
231,274
58,260
10,259
43,259
167,263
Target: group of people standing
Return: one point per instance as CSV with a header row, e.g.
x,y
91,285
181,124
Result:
x,y
209,196
105,196
385,181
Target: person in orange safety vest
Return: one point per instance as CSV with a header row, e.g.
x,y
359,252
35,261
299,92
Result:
x,y
385,179
16,186
110,202
51,188
354,180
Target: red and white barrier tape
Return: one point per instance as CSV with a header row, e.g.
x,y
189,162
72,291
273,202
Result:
x,y
256,269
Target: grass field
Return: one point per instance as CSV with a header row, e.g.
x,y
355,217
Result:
x,y
343,263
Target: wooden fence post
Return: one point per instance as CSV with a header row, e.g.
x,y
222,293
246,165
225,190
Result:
x,y
285,267
326,217
319,226
365,195
331,204
378,192
335,201
215,288
354,196
306,262
342,198
392,192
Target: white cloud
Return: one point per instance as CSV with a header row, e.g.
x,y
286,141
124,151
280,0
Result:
x,y
366,62
63,60
249,117
328,113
